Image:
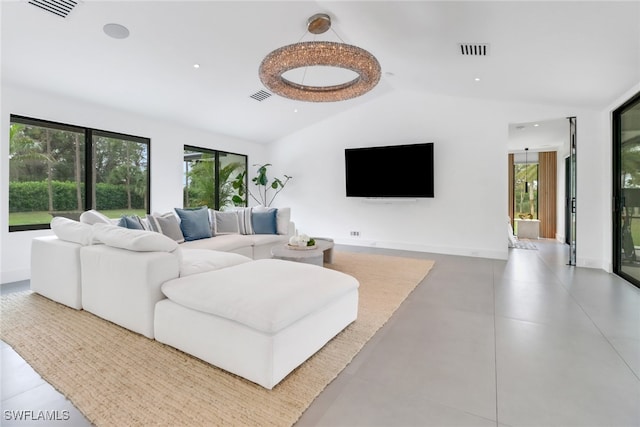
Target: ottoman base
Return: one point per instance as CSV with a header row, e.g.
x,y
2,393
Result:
x,y
257,356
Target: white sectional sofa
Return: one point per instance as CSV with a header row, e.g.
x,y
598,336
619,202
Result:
x,y
55,260
258,318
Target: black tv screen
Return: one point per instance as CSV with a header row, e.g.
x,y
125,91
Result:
x,y
390,171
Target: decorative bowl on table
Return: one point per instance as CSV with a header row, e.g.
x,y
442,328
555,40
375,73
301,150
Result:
x,y
301,242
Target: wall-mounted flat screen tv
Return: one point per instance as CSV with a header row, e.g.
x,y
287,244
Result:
x,y
390,171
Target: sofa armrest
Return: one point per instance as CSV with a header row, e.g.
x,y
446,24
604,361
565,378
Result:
x,y
55,270
123,286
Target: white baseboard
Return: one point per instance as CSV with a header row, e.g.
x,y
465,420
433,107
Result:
x,y
445,250
14,276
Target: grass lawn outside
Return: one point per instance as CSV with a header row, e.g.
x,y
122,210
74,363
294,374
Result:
x,y
44,217
635,231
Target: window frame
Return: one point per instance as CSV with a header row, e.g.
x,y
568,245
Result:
x,y
88,133
617,190
216,155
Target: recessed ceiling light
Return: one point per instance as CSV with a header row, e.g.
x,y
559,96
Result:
x,y
536,125
116,31
196,66
477,79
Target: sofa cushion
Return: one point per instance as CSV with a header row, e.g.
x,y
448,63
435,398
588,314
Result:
x,y
264,221
133,240
267,295
267,239
223,242
194,223
94,217
166,224
224,222
72,231
194,261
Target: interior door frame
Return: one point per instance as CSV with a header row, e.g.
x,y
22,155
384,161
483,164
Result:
x,y
573,199
567,200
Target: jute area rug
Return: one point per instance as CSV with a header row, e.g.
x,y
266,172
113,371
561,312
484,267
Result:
x,y
119,378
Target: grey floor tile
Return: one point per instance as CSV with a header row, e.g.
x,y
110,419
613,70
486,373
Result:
x,y
629,350
443,355
553,376
363,403
547,303
459,289
17,376
41,406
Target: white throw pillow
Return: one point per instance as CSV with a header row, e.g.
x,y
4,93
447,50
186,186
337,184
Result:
x,y
244,221
133,240
72,231
195,261
94,217
283,218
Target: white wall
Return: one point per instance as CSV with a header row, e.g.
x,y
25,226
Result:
x,y
467,216
469,211
167,141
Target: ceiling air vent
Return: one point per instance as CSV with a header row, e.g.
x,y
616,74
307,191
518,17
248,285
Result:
x,y
261,95
474,49
57,7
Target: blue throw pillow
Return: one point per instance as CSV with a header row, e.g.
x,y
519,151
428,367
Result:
x,y
194,223
131,222
264,222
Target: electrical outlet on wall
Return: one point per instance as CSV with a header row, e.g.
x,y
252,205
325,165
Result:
x,y
355,234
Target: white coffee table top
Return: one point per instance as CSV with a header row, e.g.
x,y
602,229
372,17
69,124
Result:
x,y
320,254
285,251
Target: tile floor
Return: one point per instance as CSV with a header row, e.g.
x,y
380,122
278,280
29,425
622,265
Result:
x,y
523,342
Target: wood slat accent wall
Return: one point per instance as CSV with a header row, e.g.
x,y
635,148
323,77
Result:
x,y
511,189
547,187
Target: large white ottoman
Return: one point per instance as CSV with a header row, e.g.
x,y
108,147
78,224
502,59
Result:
x,y
259,320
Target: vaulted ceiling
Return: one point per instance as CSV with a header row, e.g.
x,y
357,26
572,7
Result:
x,y
583,54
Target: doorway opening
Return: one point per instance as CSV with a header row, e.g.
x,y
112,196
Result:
x,y
537,190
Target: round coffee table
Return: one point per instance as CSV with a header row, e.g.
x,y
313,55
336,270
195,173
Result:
x,y
323,252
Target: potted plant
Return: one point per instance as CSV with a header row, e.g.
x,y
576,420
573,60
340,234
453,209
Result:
x,y
262,195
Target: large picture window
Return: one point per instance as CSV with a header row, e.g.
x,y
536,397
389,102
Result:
x,y
209,176
57,169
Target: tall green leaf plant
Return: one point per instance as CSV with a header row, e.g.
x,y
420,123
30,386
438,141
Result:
x,y
262,193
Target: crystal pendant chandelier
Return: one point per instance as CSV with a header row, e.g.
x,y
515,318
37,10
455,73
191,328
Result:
x,y
319,53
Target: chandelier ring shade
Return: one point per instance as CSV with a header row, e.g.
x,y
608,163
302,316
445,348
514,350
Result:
x,y
320,53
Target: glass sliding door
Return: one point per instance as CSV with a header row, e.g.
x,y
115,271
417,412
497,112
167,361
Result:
x,y
626,190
